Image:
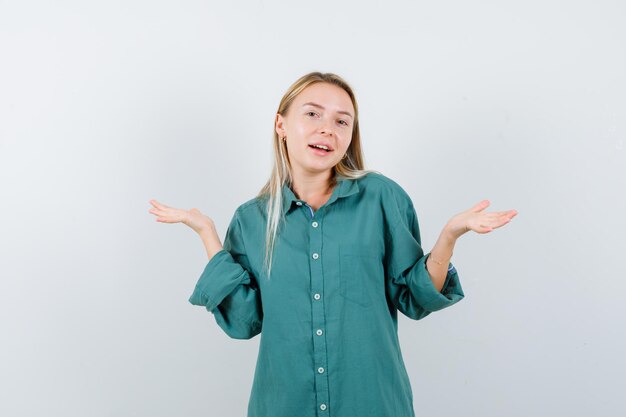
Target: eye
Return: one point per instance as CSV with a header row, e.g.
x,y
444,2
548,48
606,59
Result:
x,y
310,112
344,122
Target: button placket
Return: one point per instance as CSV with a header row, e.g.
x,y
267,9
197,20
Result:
x,y
318,323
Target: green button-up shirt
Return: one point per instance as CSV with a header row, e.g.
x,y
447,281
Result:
x,y
328,316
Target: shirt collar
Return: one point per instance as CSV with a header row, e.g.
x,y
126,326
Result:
x,y
344,188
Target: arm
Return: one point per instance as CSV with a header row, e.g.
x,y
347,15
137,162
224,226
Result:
x,y
437,263
227,288
409,284
211,241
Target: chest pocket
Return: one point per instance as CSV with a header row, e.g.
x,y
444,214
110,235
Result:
x,y
360,271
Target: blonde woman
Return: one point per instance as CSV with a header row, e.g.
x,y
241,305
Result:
x,y
320,262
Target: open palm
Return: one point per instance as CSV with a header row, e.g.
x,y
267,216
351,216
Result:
x,y
192,218
478,220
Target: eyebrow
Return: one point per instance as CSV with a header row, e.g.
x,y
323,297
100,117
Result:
x,y
321,107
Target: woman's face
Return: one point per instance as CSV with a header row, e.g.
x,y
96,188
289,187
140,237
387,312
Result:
x,y
321,114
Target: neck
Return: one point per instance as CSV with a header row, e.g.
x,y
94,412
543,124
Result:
x,y
310,186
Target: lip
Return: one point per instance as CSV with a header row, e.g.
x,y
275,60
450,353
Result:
x,y
319,152
323,143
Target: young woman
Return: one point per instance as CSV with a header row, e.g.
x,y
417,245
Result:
x,y
320,262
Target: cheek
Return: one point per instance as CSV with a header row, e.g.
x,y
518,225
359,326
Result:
x,y
300,132
345,144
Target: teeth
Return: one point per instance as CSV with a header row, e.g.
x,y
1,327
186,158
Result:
x,y
321,147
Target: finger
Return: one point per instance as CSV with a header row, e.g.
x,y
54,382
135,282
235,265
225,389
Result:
x,y
504,213
499,223
484,217
159,205
158,213
480,206
169,215
508,213
163,220
156,210
496,213
504,217
166,219
500,215
492,215
167,211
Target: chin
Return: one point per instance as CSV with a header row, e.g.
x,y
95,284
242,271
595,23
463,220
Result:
x,y
318,168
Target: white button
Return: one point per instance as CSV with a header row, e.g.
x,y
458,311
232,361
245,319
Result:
x,y
320,370
317,296
319,332
315,256
314,224
298,203
322,406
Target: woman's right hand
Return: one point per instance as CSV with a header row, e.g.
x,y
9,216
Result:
x,y
192,218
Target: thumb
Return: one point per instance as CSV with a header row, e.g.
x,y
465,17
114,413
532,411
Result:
x,y
480,206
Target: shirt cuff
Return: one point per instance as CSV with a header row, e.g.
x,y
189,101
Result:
x,y
425,292
220,277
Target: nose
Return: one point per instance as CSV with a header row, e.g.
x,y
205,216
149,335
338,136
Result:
x,y
326,129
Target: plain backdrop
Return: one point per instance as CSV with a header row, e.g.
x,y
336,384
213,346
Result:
x,y
105,105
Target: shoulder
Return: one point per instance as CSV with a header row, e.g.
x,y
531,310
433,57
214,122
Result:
x,y
251,207
248,215
390,196
388,189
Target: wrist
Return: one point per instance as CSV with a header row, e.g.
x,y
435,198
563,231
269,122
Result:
x,y
211,241
207,231
449,234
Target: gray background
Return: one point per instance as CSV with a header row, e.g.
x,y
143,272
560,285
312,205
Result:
x,y
106,105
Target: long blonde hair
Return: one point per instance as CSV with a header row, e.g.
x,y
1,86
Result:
x,y
352,166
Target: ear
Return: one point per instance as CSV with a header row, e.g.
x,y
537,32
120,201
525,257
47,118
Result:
x,y
280,125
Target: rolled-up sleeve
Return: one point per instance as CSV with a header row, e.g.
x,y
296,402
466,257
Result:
x,y
229,290
408,282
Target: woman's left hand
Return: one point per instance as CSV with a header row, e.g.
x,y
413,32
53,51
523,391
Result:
x,y
477,220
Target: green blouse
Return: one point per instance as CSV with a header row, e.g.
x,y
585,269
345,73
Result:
x,y
328,317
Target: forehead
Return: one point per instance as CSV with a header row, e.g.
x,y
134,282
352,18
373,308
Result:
x,y
330,96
